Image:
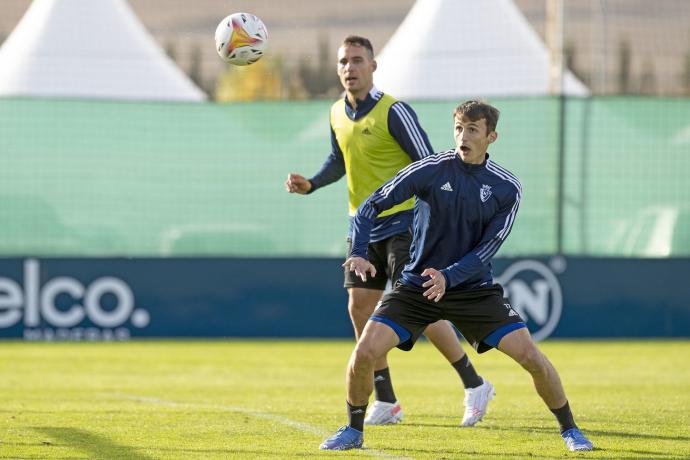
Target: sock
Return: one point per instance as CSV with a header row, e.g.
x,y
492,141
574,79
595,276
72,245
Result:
x,y
383,387
355,415
564,417
467,373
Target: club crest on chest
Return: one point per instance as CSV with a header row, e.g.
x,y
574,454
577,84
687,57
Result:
x,y
485,193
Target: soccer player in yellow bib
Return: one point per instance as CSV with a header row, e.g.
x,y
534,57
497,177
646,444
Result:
x,y
373,136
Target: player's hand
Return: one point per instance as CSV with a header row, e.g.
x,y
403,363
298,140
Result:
x,y
297,184
360,266
436,285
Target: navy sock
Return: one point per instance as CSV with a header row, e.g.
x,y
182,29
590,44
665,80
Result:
x,y
355,415
564,417
383,387
468,375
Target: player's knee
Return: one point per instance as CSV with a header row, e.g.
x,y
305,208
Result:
x,y
365,353
360,312
531,359
361,307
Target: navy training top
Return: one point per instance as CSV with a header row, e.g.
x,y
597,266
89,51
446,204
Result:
x,y
463,213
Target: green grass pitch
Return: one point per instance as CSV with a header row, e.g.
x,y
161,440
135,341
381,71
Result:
x,y
279,399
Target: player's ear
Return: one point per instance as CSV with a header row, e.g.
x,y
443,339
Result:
x,y
374,64
493,135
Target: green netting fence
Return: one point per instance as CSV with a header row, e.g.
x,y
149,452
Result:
x,y
106,178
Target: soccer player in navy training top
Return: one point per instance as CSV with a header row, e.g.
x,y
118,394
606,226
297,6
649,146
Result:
x,y
465,208
373,136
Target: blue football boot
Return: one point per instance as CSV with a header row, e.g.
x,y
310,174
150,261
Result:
x,y
575,440
345,438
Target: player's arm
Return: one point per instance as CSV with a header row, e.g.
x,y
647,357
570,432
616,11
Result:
x,y
409,181
406,130
493,237
331,171
395,191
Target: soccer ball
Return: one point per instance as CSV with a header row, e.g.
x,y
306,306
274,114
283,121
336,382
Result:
x,y
241,39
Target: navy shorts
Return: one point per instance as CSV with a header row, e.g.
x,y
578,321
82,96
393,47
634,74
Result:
x,y
477,313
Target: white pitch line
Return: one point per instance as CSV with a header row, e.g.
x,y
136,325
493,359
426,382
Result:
x,y
304,427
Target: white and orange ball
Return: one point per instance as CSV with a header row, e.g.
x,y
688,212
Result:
x,y
241,39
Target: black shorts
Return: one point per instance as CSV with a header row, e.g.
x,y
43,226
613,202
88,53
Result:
x,y
476,313
389,256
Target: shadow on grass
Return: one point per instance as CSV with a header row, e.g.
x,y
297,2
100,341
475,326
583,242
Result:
x,y
649,454
264,453
554,430
600,454
97,446
594,435
448,454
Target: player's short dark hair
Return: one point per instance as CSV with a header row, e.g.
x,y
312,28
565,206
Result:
x,y
476,110
359,41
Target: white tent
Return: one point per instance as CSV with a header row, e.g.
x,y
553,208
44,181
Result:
x,y
92,49
466,48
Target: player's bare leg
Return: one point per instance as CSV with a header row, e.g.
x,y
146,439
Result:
x,y
520,346
386,409
361,304
478,392
376,340
443,336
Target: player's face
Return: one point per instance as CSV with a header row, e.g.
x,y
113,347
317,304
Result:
x,y
472,139
356,70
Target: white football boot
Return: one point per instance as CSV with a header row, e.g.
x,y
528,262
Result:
x,y
476,400
384,413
